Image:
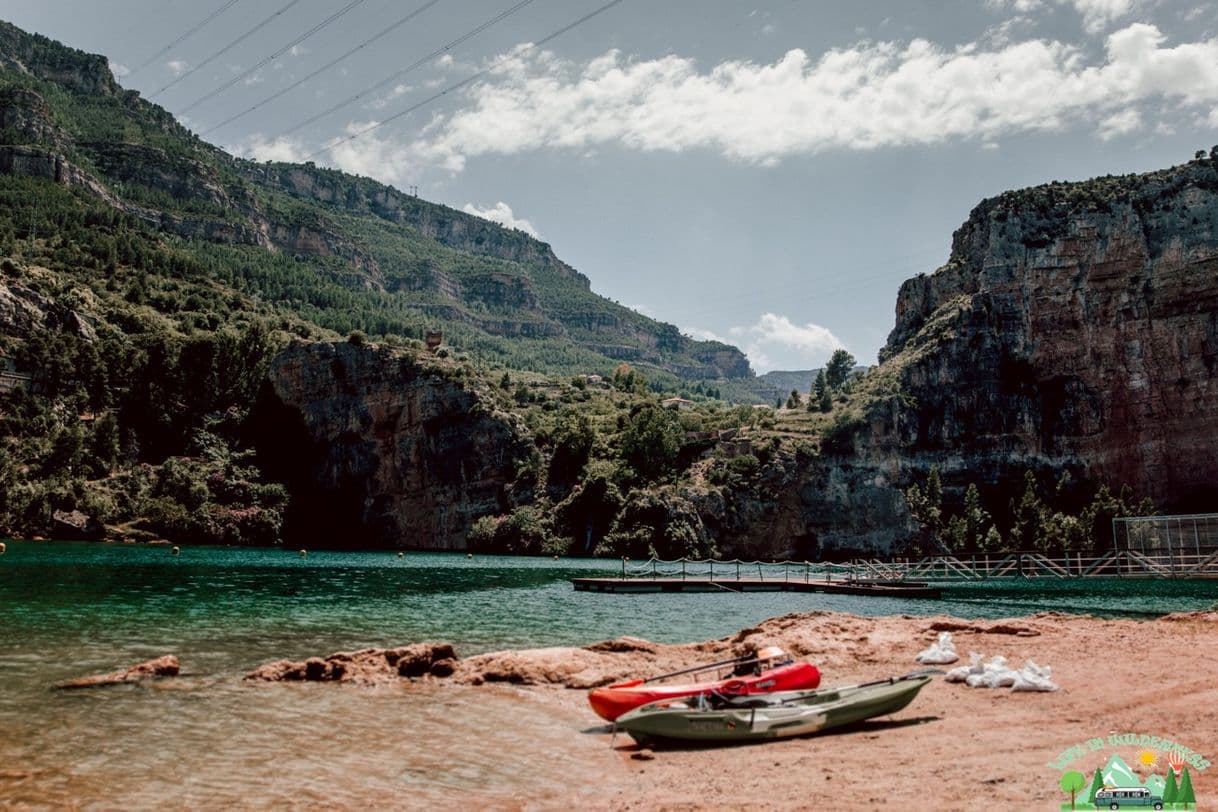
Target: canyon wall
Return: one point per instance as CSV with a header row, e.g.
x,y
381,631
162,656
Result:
x,y
1074,330
381,449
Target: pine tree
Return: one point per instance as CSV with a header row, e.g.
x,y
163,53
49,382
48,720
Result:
x,y
976,520
820,386
839,368
1170,791
1185,795
1097,784
926,506
1027,530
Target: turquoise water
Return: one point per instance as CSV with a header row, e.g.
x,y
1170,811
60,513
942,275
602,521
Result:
x,y
71,609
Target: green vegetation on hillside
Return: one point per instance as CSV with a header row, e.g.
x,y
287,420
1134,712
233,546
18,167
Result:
x,y
1044,519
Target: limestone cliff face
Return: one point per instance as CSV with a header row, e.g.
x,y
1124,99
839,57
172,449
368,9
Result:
x,y
1075,329
26,113
36,55
455,229
381,449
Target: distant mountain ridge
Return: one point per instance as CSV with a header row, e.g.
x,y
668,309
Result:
x,y
407,263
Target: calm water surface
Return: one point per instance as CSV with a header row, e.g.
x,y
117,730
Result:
x,y
206,739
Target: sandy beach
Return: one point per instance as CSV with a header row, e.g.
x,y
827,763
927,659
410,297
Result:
x,y
955,747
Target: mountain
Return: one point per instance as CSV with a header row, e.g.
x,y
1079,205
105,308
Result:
x,y
187,355
786,381
1118,774
344,252
1073,332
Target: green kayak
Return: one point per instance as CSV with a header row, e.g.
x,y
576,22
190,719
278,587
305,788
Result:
x,y
769,716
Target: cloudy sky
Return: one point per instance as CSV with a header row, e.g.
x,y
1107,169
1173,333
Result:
x,y
766,172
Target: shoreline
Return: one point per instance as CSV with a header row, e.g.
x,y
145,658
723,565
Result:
x,y
954,745
522,715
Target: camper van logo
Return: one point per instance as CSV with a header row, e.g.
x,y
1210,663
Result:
x,y
1094,775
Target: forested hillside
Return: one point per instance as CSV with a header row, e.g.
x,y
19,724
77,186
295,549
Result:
x,y
148,278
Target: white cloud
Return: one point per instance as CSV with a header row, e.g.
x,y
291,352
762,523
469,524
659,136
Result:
x,y
1097,14
871,95
502,214
1213,118
700,333
1022,6
260,148
397,92
177,67
775,342
374,156
119,69
298,50
1121,123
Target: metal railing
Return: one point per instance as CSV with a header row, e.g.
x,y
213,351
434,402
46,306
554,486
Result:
x,y
980,567
737,570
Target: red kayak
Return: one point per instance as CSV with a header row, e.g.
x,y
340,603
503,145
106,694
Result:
x,y
612,701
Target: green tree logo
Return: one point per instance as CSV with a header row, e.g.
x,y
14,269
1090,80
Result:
x,y
1185,795
1170,791
1072,782
1097,784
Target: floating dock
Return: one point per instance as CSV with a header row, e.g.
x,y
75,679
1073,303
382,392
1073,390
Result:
x,y
889,589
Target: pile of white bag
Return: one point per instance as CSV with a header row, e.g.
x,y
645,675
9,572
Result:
x,y
993,674
941,652
997,674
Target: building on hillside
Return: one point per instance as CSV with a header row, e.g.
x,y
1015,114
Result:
x,y
434,339
680,404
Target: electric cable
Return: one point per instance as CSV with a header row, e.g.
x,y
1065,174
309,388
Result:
x,y
332,18
411,67
183,36
472,78
228,47
323,68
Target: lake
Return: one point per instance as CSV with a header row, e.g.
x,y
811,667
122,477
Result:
x,y
71,609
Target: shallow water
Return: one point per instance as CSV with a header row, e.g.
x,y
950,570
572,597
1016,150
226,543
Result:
x,y
207,739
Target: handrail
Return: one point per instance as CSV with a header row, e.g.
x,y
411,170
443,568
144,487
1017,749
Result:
x,y
948,567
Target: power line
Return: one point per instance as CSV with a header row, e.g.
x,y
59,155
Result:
x,y
324,67
188,32
412,66
228,47
335,16
472,78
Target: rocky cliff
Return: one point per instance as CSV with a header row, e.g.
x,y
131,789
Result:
x,y
1075,329
64,118
381,449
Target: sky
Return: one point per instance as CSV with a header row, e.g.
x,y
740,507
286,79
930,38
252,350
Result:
x,y
764,172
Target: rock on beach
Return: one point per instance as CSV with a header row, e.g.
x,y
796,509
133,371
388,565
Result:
x,y
165,666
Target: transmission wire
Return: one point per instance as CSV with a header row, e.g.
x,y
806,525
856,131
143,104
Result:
x,y
412,66
228,47
472,78
182,37
323,68
336,15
